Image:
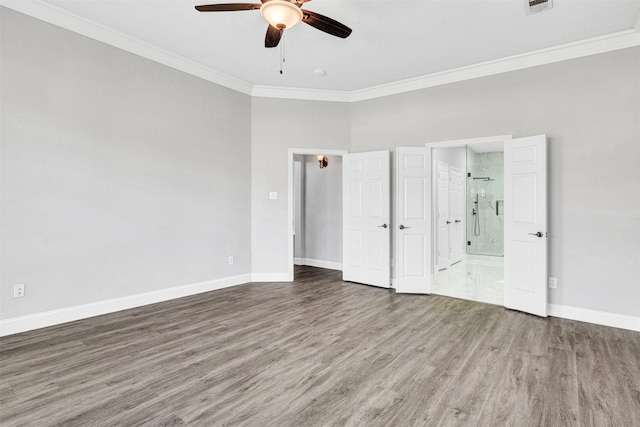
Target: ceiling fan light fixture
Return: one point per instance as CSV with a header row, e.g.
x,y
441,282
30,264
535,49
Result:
x,y
281,13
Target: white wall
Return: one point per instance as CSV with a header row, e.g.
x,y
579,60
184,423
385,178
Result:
x,y
590,110
323,210
119,175
277,125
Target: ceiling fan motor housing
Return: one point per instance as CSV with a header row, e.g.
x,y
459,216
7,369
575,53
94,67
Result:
x,y
281,14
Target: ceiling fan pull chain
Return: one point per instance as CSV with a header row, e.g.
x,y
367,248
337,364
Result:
x,y
282,59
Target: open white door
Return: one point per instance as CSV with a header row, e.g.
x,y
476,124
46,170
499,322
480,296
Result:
x,y
444,216
456,203
366,218
525,225
413,232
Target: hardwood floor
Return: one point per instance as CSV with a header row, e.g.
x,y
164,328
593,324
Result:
x,y
320,352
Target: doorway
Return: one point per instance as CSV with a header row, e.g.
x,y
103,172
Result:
x,y
525,219
478,273
315,208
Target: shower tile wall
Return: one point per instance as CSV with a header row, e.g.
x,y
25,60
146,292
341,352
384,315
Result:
x,y
489,225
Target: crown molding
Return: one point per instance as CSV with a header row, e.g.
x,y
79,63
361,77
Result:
x,y
582,48
579,49
61,18
300,93
587,47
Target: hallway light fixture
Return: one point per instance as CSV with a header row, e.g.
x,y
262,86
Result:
x,y
322,160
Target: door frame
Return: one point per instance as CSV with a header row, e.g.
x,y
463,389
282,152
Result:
x,y
290,211
471,142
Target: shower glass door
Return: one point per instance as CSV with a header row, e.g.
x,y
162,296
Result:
x,y
485,200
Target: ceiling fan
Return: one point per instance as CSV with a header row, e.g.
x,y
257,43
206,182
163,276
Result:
x,y
282,15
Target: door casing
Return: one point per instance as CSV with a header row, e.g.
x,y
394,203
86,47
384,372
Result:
x,y
290,211
471,143
498,140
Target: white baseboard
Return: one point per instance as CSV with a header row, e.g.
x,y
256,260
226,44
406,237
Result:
x,y
55,317
593,316
270,277
318,263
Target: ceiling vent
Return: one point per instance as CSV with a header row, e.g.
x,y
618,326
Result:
x,y
535,6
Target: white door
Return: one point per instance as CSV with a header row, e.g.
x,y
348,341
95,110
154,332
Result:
x,y
525,224
366,218
443,217
413,228
456,203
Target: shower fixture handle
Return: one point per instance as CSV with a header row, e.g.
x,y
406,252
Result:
x,y
383,226
539,234
402,227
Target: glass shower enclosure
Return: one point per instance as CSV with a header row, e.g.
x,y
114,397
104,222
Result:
x,y
485,203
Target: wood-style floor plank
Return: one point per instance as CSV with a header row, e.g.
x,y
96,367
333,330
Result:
x,y
319,352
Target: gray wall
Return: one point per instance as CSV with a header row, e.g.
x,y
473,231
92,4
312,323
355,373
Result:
x,y
119,175
590,110
323,209
277,125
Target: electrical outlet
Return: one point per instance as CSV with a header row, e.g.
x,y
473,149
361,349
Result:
x,y
273,195
18,291
553,282
230,260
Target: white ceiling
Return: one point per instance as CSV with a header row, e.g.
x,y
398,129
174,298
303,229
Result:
x,y
392,40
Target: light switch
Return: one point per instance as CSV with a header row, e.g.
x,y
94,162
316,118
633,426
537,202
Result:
x,y
273,195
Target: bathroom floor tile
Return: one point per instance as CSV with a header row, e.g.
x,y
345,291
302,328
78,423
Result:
x,y
478,278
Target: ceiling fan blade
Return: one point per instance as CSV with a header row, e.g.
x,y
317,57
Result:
x,y
228,7
273,36
325,24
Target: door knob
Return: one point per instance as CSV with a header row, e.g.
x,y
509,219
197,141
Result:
x,y
539,234
457,221
448,222
383,226
402,227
